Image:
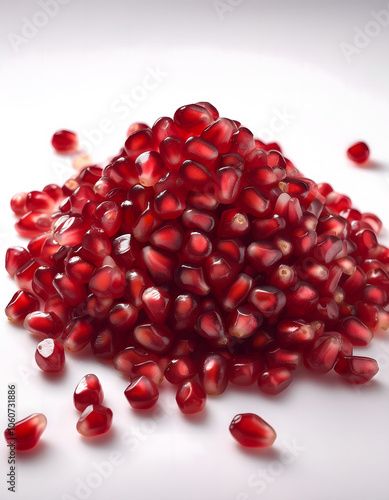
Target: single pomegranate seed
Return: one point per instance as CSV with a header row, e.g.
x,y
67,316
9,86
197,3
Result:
x,y
213,373
355,331
219,134
50,356
15,259
142,393
88,392
356,369
244,321
301,298
180,370
244,370
156,303
70,292
150,167
358,152
275,380
42,282
322,354
95,420
168,205
200,150
192,277
65,142
27,432
77,334
43,323
108,282
192,118
237,292
122,316
294,333
21,304
149,369
155,337
33,224
39,201
269,300
252,431
278,357
139,142
18,204
190,397
283,276
263,254
108,217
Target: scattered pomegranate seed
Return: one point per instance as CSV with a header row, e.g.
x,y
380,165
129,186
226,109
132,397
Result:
x,y
65,142
27,432
142,393
358,152
252,431
50,356
95,420
88,392
198,250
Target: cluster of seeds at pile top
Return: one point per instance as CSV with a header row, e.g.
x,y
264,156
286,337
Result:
x,y
201,255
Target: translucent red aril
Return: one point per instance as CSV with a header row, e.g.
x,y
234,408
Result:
x,y
269,300
108,217
233,223
252,431
283,276
190,397
18,204
275,380
168,205
228,184
244,370
50,356
156,302
65,142
301,298
356,369
294,333
149,369
200,150
195,175
244,321
185,310
150,167
94,420
219,134
180,370
155,337
192,118
32,224
77,334
358,152
108,282
159,264
21,304
213,373
39,201
70,292
322,354
88,392
27,432
15,259
237,292
43,323
142,393
355,331
263,254
278,357
192,277
139,142
197,219
169,237
122,316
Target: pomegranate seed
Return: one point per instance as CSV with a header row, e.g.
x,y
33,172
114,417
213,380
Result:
x,y
142,393
21,304
50,356
355,331
244,321
159,264
88,392
15,259
33,224
219,134
95,420
155,337
200,150
107,216
283,276
263,254
252,431
294,333
139,142
192,118
180,370
156,303
27,432
190,397
149,369
356,369
278,357
107,282
43,323
150,168
77,334
70,292
39,201
244,370
192,277
185,310
322,354
237,292
65,142
275,380
269,300
18,204
358,152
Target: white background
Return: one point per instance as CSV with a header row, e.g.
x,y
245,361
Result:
x,y
254,61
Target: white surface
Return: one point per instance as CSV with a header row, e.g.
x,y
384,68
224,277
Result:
x,y
261,59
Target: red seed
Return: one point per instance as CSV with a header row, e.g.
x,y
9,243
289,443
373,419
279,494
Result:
x,y
18,204
322,354
95,420
142,393
15,258
358,152
180,370
27,432
88,392
155,337
244,321
213,373
43,323
356,369
252,431
355,331
269,300
65,142
244,370
275,380
190,397
77,334
21,304
50,356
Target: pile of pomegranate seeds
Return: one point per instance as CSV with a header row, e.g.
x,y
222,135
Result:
x,y
201,255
